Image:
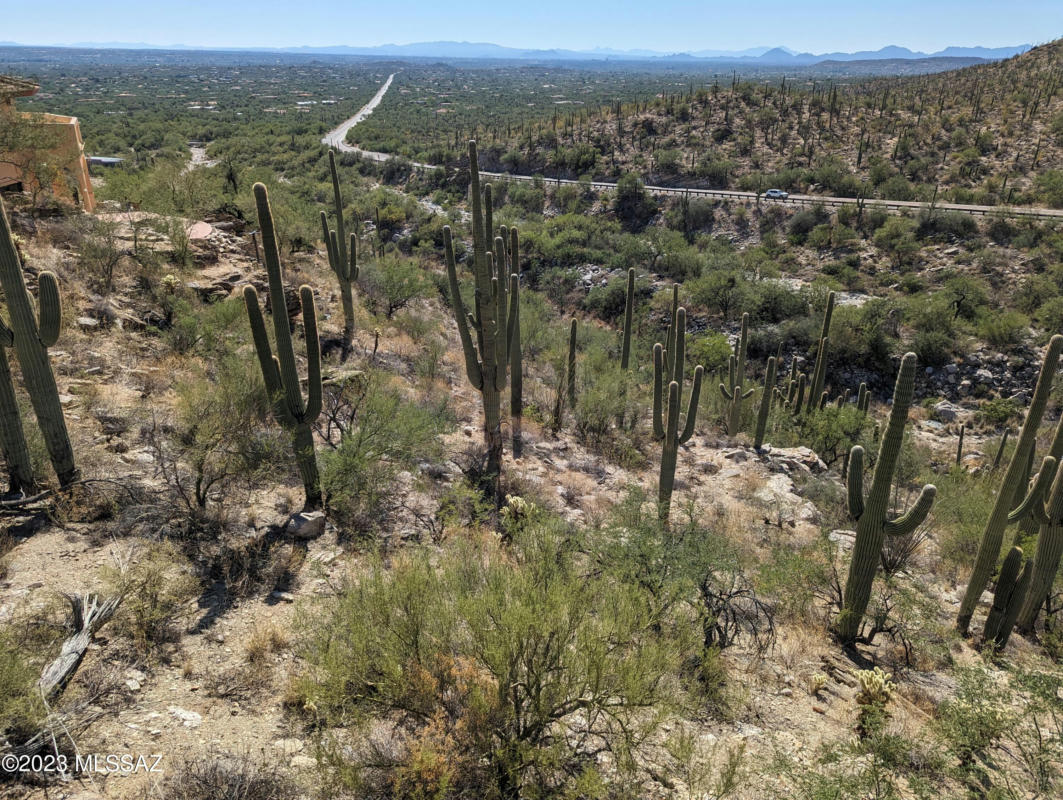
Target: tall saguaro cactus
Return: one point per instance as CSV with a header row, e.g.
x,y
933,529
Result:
x,y
765,404
993,533
279,370
819,373
629,315
734,391
516,355
487,360
666,417
873,524
342,256
32,333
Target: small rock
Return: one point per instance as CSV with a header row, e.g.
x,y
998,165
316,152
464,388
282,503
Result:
x,y
946,411
787,692
819,709
88,323
306,524
708,467
302,762
189,719
286,597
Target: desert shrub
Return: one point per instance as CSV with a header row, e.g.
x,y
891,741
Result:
x,y
21,709
220,436
527,196
997,411
1050,314
896,238
1004,329
933,348
771,301
225,776
393,284
633,205
963,504
159,588
720,291
712,350
688,572
804,222
832,432
374,432
498,667
863,336
607,302
975,719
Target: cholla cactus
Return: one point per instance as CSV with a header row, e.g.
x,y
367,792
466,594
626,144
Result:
x,y
517,510
873,524
876,687
993,533
817,682
170,283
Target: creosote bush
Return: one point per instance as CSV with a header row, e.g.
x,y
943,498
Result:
x,y
374,431
510,673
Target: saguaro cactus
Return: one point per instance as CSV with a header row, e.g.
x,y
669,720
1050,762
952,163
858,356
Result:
x,y
819,374
12,436
993,533
279,370
342,256
487,360
666,419
734,392
629,313
1012,586
863,398
571,371
516,357
873,524
1049,516
32,334
765,404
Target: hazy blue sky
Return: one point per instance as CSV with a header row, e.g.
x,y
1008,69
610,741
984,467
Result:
x,y
667,25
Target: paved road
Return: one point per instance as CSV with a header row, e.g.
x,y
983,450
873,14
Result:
x,y
337,138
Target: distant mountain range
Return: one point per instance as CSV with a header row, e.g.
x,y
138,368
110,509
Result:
x,y
759,56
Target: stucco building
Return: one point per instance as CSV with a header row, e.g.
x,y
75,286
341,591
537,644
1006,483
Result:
x,y
64,153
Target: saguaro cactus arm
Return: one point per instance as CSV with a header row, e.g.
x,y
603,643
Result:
x,y
914,517
461,316
1033,502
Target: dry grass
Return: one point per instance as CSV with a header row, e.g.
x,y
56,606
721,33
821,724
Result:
x,y
266,639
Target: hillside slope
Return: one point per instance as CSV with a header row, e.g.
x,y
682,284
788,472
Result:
x,y
988,133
